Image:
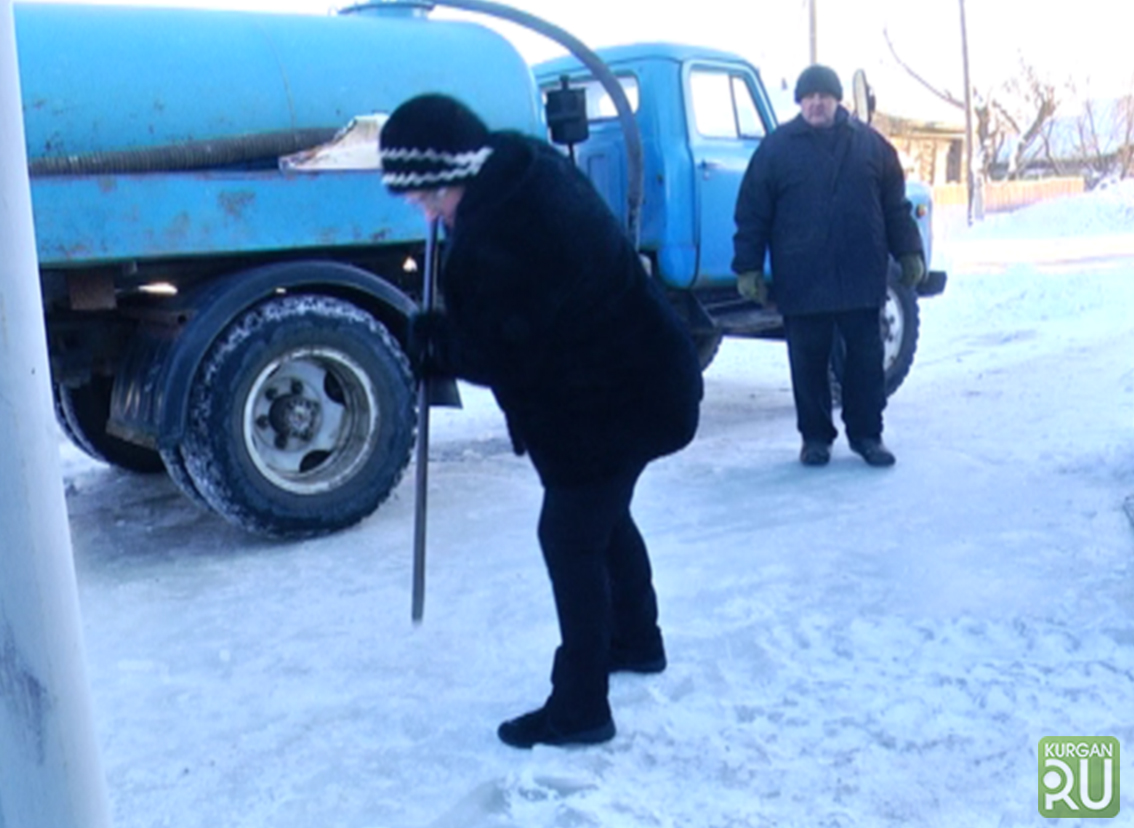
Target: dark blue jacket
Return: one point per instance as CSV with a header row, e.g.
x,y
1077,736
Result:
x,y
830,205
547,303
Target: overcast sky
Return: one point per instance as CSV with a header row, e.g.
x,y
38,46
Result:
x,y
1091,47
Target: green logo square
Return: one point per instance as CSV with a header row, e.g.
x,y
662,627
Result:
x,y
1078,776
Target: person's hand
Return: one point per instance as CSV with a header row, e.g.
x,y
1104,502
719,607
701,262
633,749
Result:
x,y
421,329
752,284
913,269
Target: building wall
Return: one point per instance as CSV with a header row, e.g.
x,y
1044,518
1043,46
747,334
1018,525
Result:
x,y
934,151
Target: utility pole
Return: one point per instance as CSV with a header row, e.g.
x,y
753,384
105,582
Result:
x,y
50,773
814,31
970,187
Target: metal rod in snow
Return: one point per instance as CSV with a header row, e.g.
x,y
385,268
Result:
x,y
50,771
417,611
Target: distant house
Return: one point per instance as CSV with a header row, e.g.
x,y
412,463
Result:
x,y
934,150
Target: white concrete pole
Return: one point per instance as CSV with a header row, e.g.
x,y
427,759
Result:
x,y
50,772
813,29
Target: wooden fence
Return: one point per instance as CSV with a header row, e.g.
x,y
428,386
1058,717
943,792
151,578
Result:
x,y
1008,195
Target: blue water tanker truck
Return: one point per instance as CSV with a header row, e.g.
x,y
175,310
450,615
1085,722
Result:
x,y
225,280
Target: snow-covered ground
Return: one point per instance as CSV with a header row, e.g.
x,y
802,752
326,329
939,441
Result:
x,y
848,646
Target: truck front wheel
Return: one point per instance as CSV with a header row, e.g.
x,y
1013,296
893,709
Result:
x,y
899,326
301,418
899,321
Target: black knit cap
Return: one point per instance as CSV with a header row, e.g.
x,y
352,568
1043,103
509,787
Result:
x,y
431,141
818,79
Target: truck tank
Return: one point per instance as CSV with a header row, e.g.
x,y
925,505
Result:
x,y
98,79
153,133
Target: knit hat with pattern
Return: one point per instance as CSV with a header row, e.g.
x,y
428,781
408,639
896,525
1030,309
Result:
x,y
431,141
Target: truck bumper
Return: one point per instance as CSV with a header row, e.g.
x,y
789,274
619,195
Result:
x,y
934,283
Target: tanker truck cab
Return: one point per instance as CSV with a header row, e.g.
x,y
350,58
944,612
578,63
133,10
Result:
x,y
702,113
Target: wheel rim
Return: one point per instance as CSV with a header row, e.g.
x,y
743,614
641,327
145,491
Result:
x,y
893,329
310,420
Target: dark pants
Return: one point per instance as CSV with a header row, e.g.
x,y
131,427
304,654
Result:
x,y
809,340
604,595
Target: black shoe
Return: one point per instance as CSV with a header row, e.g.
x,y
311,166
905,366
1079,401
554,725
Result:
x,y
815,453
535,728
637,663
874,452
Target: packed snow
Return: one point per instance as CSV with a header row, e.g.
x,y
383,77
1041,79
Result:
x,y
848,646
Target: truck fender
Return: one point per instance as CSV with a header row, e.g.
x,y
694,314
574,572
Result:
x,y
154,380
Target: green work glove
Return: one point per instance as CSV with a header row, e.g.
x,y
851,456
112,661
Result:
x,y
752,284
913,269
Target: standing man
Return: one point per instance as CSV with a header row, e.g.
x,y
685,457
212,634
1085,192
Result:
x,y
546,302
825,194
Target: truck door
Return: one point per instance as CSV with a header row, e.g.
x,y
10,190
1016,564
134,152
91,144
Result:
x,y
728,115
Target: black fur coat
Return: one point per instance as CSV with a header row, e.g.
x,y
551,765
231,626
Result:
x,y
546,303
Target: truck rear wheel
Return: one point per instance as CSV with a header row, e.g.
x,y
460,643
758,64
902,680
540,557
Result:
x,y
301,418
899,323
175,467
83,412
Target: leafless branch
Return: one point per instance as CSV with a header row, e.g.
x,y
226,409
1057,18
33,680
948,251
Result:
x,y
943,95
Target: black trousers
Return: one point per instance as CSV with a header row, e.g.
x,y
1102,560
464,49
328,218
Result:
x,y
604,595
809,340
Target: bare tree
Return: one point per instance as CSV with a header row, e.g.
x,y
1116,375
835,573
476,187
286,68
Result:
x,y
1126,150
1018,107
1089,143
943,94
1122,132
1027,104
1051,149
1102,137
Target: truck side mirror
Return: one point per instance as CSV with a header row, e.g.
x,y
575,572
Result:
x,y
567,114
863,97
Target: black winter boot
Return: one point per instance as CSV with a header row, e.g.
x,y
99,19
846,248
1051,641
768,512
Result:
x,y
815,453
644,654
874,452
536,728
627,662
